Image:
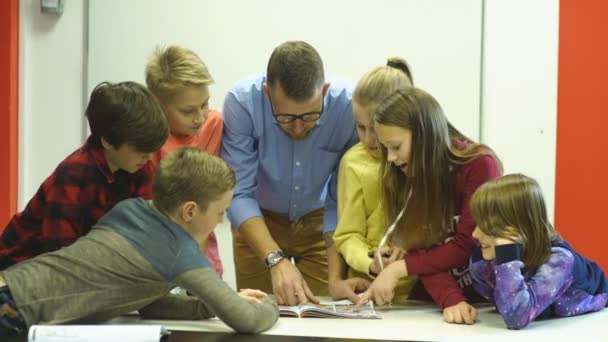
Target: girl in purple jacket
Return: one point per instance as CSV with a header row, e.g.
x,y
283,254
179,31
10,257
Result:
x,y
522,264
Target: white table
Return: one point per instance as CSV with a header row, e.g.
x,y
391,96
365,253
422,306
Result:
x,y
415,321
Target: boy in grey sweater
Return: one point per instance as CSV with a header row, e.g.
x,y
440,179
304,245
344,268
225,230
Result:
x,y
135,255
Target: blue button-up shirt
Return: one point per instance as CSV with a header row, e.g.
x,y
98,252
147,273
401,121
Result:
x,y
275,172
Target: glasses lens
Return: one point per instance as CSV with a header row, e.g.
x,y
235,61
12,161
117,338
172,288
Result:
x,y
284,118
311,117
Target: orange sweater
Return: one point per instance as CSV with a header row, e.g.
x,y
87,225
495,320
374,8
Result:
x,y
208,139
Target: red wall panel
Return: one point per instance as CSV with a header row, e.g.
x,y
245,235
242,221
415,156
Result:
x,y
9,113
581,192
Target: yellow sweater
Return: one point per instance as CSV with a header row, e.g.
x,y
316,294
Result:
x,y
361,218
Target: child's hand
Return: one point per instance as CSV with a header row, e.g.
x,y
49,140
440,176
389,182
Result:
x,y
389,255
382,289
348,288
252,296
462,312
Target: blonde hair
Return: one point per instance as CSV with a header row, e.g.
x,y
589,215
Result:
x,y
376,84
513,207
190,174
173,69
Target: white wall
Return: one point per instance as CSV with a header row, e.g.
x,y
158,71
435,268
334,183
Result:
x,y
440,38
51,64
519,94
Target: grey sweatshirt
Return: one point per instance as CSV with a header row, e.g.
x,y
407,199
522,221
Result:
x,y
130,261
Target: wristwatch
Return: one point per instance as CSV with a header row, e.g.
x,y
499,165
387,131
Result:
x,y
274,257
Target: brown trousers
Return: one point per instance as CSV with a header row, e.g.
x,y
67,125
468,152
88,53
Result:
x,y
301,239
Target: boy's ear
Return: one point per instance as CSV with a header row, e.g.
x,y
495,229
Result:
x,y
188,211
105,144
265,89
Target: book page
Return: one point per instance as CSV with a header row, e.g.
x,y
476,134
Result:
x,y
290,311
341,310
345,309
94,333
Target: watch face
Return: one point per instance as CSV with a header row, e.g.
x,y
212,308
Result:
x,y
273,258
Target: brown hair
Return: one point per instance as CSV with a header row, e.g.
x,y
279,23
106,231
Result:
x,y
190,174
297,68
173,69
436,147
513,207
126,113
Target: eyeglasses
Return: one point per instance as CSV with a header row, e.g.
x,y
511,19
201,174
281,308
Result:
x,y
390,229
289,118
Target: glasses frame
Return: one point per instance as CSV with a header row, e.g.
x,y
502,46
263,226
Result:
x,y
291,118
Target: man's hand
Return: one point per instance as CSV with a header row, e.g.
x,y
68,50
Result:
x,y
340,289
460,313
252,296
382,289
289,286
389,255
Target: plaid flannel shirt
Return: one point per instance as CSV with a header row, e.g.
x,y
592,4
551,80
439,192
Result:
x,y
69,202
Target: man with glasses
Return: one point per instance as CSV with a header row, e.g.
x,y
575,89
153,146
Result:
x,y
284,135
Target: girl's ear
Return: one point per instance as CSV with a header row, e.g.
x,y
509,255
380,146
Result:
x,y
514,234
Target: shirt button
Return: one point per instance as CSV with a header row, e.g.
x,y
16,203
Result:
x,y
297,163
296,188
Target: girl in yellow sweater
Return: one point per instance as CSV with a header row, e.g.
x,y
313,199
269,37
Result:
x,y
361,218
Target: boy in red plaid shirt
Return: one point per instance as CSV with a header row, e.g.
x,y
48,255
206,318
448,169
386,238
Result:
x,y
127,127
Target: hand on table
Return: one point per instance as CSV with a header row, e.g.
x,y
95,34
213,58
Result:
x,y
288,285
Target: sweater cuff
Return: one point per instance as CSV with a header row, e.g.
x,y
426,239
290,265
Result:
x,y
453,299
362,265
476,256
414,265
506,253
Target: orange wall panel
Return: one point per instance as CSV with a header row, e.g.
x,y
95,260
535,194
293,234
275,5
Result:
x,y
581,189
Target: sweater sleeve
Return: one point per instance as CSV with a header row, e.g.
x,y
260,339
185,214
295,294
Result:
x,y
520,301
176,307
456,252
443,289
350,235
482,273
330,214
577,302
225,303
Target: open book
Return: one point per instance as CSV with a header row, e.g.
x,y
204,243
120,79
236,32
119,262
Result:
x,y
344,309
97,333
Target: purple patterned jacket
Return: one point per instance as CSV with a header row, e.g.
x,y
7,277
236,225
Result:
x,y
560,287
